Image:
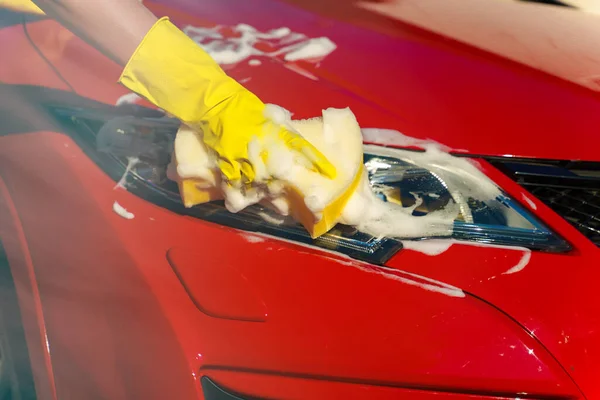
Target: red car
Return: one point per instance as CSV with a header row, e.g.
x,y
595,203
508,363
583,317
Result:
x,y
117,291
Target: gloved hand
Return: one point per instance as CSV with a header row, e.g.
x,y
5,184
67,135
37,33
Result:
x,y
174,73
21,5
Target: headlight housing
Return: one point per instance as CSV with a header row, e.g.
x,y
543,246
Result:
x,y
112,139
487,214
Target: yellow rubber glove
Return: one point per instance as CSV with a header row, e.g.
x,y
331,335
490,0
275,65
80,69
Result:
x,y
21,5
176,74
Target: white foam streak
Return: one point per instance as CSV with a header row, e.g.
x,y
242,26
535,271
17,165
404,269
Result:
x,y
271,219
131,162
250,238
529,201
313,48
521,264
129,98
433,247
121,211
390,137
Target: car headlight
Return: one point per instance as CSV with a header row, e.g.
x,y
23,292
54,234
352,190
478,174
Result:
x,y
397,176
486,213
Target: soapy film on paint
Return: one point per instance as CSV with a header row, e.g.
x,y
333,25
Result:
x,y
226,49
281,43
364,210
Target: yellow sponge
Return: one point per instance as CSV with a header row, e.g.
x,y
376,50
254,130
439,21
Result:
x,y
337,135
315,201
197,177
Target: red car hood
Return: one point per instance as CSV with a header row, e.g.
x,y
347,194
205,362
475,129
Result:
x,y
421,84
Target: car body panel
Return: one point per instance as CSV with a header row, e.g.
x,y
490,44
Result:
x,y
113,281
113,285
552,296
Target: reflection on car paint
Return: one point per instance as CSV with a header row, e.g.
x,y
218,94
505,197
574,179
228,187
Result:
x,y
405,277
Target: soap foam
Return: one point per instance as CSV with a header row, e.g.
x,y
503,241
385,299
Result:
x,y
250,238
313,48
364,209
129,98
372,215
521,264
228,49
455,172
121,211
131,163
431,247
391,137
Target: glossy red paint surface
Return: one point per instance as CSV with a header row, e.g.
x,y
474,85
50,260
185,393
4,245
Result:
x,y
328,317
553,296
397,76
143,308
218,289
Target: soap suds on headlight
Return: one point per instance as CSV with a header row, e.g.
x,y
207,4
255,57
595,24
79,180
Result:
x,y
372,215
432,247
131,163
364,209
129,98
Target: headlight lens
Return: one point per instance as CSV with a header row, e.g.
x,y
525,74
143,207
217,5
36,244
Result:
x,y
394,175
430,186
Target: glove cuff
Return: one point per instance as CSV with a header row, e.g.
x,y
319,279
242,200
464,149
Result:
x,y
174,73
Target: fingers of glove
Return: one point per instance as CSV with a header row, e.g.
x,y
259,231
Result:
x,y
231,170
298,143
247,171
